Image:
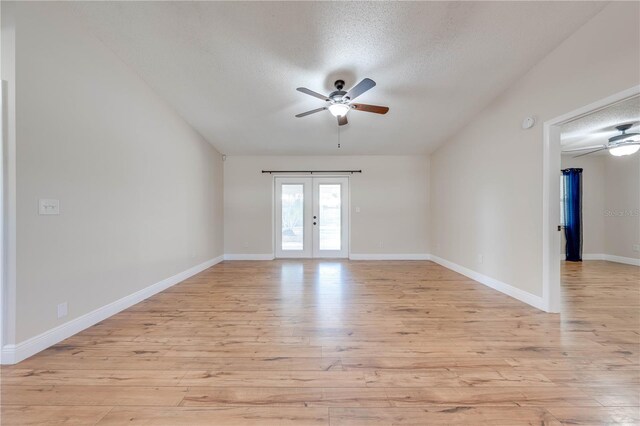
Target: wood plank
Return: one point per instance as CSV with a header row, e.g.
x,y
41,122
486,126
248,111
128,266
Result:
x,y
65,362
314,379
93,377
92,395
286,396
237,416
597,415
50,415
442,415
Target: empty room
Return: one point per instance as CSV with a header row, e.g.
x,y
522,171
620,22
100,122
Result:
x,y
320,213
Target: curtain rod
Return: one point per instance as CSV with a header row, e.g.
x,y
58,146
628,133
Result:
x,y
312,171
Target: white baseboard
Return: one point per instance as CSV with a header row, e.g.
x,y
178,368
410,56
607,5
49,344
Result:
x,y
620,259
509,290
610,258
12,354
376,256
264,256
391,256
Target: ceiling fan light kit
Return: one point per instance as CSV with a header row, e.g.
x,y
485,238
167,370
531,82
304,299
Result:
x,y
627,149
340,102
339,110
618,146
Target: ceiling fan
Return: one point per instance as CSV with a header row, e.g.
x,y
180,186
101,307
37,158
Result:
x,y
340,102
619,145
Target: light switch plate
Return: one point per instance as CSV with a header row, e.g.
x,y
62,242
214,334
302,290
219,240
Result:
x,y
48,206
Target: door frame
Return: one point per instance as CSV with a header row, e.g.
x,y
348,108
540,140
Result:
x,y
551,164
275,208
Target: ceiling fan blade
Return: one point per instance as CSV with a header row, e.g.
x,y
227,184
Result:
x,y
342,120
584,148
312,93
590,152
360,88
371,108
313,111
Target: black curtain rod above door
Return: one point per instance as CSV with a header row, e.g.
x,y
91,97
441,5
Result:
x,y
312,171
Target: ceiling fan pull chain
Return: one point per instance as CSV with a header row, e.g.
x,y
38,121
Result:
x,y
338,137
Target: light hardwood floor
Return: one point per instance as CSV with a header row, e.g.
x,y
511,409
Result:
x,y
345,343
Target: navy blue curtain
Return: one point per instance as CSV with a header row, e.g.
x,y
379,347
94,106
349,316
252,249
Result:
x,y
572,184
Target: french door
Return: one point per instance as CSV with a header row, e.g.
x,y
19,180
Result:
x,y
312,216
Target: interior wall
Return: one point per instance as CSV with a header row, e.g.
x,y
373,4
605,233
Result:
x,y
391,194
593,193
486,181
622,206
140,191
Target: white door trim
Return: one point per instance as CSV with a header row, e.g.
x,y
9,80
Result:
x,y
8,184
3,132
551,195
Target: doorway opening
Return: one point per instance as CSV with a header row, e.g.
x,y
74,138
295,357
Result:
x,y
312,217
552,165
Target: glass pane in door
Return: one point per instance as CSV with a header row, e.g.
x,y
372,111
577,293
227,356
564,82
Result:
x,y
292,217
330,219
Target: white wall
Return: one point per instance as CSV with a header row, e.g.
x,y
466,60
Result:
x,y
140,191
593,191
486,181
391,192
622,206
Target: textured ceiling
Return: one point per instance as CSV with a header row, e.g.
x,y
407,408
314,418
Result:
x,y
231,68
597,128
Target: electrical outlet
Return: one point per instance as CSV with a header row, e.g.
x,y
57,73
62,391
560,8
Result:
x,y
480,258
381,244
636,247
357,209
62,309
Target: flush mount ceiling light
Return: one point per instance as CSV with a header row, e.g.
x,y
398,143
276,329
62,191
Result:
x,y
340,101
619,145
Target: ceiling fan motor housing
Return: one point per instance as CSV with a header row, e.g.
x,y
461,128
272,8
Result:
x,y
622,137
338,95
624,127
